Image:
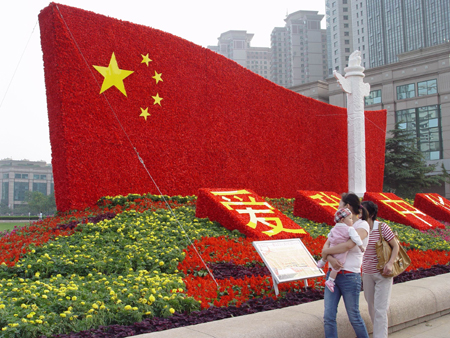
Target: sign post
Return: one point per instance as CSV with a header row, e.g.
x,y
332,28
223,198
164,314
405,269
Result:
x,y
287,260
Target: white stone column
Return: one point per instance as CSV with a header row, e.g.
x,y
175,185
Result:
x,y
356,89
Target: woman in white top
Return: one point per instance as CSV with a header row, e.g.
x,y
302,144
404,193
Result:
x,y
348,281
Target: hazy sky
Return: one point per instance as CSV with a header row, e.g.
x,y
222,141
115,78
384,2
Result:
x,y
24,132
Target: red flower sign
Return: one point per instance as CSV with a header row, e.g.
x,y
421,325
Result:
x,y
247,212
120,95
434,205
395,209
318,206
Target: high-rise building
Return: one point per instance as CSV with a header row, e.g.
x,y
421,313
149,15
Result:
x,y
299,50
400,26
383,29
235,45
18,177
339,34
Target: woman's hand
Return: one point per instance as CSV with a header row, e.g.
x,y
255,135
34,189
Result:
x,y
335,263
387,269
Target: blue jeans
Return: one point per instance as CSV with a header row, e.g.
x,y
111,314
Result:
x,y
347,285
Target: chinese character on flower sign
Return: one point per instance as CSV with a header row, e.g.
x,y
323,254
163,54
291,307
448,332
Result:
x,y
326,200
242,202
438,200
404,208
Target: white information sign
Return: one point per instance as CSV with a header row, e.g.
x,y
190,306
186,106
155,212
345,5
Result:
x,y
287,260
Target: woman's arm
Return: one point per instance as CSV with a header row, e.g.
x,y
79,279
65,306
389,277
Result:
x,y
344,247
388,267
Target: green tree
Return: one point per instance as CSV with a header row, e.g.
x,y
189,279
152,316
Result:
x,y
38,202
406,171
4,208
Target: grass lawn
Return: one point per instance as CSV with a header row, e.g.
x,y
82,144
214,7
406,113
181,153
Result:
x,y
10,225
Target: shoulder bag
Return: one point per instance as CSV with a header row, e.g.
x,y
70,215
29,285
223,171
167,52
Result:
x,y
384,251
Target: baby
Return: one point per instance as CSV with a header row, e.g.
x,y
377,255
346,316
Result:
x,y
340,233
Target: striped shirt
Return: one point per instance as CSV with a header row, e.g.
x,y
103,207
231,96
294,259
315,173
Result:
x,y
370,259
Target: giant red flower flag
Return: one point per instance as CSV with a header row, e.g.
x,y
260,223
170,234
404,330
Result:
x,y
121,94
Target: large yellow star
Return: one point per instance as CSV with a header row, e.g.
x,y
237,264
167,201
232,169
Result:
x,y
145,113
145,59
157,77
113,76
157,99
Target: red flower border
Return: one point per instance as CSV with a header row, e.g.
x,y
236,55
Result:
x,y
318,206
434,205
395,209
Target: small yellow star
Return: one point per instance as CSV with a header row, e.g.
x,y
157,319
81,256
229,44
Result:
x,y
157,77
145,59
113,75
157,99
145,113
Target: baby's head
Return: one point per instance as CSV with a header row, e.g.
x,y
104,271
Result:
x,y
344,215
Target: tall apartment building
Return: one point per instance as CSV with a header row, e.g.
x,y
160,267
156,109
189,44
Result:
x,y
396,27
383,29
18,177
339,34
235,45
299,50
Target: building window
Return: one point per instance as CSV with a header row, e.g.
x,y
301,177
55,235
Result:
x,y
5,175
345,9
347,42
347,50
41,187
346,33
345,25
21,176
20,188
406,91
424,123
5,192
373,98
345,17
427,88
35,177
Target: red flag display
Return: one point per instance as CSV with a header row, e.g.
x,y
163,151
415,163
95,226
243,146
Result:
x,y
119,94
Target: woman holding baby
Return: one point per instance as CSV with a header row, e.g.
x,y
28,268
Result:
x,y
347,283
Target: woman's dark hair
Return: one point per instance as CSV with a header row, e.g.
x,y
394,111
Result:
x,y
372,208
355,204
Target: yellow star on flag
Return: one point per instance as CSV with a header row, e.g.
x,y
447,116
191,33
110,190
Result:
x,y
157,99
113,75
145,113
157,77
145,59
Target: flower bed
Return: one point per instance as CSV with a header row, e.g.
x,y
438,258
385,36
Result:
x,y
105,274
396,209
434,205
318,206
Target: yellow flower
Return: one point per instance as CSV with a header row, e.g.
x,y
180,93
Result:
x,y
63,315
171,310
127,307
95,306
74,298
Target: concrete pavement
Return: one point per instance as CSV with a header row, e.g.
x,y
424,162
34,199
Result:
x,y
419,308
